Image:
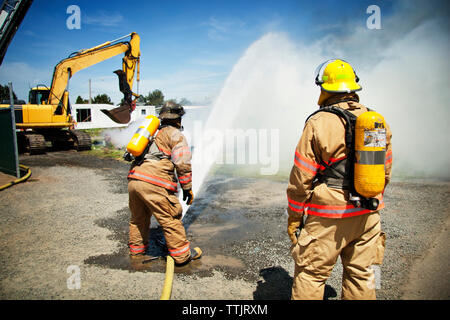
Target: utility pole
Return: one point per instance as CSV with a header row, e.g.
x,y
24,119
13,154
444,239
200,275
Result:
x,y
90,97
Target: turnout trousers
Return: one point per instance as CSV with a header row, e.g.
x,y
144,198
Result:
x,y
145,200
359,242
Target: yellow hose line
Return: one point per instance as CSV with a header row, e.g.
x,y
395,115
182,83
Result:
x,y
25,177
167,289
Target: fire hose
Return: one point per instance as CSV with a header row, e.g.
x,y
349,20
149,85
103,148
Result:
x,y
22,179
167,288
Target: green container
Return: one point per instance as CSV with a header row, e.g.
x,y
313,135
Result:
x,y
9,157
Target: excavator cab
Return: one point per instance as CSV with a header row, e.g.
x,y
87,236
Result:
x,y
39,95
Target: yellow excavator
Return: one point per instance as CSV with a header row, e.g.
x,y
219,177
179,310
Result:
x,y
47,117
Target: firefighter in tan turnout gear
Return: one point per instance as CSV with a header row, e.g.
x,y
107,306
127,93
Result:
x,y
152,188
327,217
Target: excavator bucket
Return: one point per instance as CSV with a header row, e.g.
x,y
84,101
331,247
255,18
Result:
x,y
122,114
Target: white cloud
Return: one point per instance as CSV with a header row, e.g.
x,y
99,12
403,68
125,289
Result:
x,y
192,84
221,29
102,18
23,76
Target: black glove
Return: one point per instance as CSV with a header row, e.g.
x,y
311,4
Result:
x,y
187,194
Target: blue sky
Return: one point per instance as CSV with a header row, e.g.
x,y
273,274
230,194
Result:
x,y
187,47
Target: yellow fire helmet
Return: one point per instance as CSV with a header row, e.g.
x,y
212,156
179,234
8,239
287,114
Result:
x,y
337,75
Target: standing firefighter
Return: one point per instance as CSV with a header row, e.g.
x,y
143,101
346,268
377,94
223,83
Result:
x,y
328,215
152,188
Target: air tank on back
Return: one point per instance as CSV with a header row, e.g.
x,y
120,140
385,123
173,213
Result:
x,y
142,136
370,153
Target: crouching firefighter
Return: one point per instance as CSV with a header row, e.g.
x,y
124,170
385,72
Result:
x,y
153,183
342,165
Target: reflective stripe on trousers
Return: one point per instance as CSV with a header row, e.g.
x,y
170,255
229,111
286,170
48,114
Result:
x,y
179,251
137,249
169,185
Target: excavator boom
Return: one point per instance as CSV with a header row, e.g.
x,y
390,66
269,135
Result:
x,y
80,60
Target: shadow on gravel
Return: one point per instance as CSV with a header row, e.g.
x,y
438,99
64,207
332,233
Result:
x,y
277,285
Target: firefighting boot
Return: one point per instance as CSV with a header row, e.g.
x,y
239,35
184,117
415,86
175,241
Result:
x,y
196,253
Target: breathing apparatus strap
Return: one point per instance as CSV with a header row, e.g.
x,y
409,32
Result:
x,y
152,152
349,118
334,175
340,174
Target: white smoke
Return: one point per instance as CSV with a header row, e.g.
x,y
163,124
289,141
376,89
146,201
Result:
x,y
410,87
120,137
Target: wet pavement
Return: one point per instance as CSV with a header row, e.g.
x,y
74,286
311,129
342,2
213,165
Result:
x,y
230,230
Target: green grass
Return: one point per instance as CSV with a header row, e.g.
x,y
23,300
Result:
x,y
106,152
93,132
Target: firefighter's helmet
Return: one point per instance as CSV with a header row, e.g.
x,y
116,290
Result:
x,y
171,110
337,75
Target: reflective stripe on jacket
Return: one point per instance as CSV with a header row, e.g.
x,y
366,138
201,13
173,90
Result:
x,y
133,174
323,141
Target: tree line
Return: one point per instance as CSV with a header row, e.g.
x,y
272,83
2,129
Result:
x,y
154,98
4,93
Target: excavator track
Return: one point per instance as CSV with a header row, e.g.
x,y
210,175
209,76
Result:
x,y
81,140
34,143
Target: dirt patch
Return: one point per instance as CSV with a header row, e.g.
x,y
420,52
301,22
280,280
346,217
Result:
x,y
6,178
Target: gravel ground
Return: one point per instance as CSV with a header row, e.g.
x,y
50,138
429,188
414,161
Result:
x,y
72,214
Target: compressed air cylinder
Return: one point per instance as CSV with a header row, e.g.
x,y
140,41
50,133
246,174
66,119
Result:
x,y
140,139
370,154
